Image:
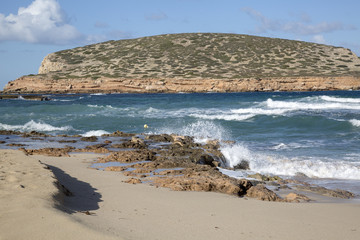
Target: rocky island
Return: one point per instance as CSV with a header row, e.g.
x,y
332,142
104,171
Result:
x,y
194,62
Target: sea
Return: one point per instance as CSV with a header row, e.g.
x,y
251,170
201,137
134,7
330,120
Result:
x,y
290,134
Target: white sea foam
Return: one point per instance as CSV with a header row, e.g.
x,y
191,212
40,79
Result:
x,y
152,110
34,126
62,100
227,117
96,133
277,165
355,122
241,114
280,146
259,111
341,100
291,106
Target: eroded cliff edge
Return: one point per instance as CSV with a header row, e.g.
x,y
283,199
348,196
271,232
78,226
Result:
x,y
195,62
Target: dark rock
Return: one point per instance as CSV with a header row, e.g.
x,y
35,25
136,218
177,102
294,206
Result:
x,y
7,132
119,134
35,134
89,139
15,145
160,138
243,165
205,159
67,141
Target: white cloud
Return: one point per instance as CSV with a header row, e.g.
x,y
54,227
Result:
x,y
43,21
319,39
300,27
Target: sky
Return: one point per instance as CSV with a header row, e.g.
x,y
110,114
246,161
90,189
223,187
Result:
x,y
31,29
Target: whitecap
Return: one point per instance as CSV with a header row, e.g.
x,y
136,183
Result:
x,y
96,133
34,126
293,106
341,100
227,117
355,122
280,146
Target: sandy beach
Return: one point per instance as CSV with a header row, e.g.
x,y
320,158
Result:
x,y
102,206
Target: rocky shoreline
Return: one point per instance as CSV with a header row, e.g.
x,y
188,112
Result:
x,y
47,85
175,162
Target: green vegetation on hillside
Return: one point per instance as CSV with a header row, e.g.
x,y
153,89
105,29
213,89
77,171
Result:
x,y
204,55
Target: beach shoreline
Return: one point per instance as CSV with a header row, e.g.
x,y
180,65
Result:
x,y
120,210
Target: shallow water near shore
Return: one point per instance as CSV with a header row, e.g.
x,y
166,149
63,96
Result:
x,y
287,134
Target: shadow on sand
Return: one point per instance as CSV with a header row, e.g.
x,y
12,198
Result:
x,y
79,196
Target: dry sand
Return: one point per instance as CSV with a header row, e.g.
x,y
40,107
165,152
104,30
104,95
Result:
x,y
126,211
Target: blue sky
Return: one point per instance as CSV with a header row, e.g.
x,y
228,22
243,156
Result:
x,y
31,29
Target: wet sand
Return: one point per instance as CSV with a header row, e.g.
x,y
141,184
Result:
x,y
104,207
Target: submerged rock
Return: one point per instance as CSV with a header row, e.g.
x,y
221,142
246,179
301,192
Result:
x,y
89,139
243,165
119,134
338,193
160,138
35,134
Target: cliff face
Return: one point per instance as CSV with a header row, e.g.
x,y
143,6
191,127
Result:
x,y
195,63
34,84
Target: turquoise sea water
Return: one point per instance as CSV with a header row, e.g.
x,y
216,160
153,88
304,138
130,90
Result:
x,y
315,133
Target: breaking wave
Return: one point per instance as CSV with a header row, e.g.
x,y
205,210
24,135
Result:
x,y
202,131
355,122
34,126
277,165
96,133
341,100
291,106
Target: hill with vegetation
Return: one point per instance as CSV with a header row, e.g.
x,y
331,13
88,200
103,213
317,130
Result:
x,y
192,57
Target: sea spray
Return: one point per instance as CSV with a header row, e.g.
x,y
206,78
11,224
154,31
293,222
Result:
x,y
278,165
202,131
